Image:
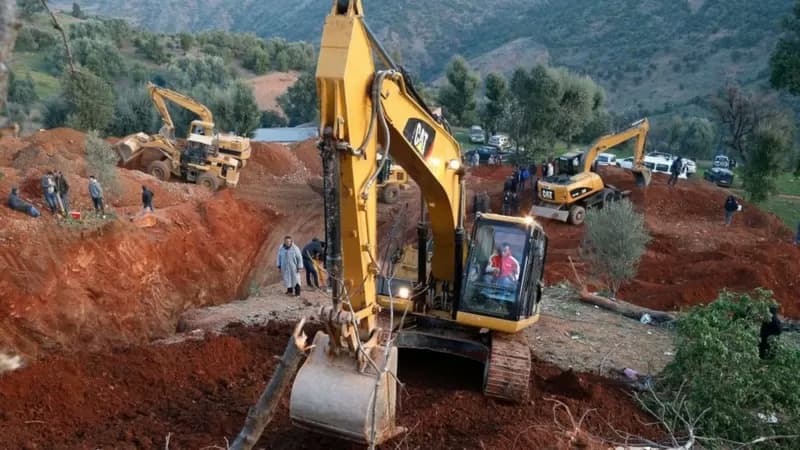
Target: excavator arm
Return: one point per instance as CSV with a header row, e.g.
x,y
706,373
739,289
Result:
x,y
638,130
160,95
363,112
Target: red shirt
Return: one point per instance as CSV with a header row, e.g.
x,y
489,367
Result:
x,y
508,265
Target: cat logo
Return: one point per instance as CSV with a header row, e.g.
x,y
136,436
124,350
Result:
x,y
420,135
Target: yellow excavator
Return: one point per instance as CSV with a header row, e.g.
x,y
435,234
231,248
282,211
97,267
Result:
x,y
470,298
577,187
209,158
391,180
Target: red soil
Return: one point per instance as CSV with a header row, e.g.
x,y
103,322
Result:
x,y
104,283
200,391
693,255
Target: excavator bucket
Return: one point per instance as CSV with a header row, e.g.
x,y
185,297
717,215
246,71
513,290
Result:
x,y
129,147
332,396
643,177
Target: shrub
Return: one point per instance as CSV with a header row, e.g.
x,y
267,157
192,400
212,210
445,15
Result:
x,y
101,161
720,379
615,241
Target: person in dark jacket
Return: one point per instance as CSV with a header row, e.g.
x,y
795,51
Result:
x,y
508,199
18,204
508,185
147,199
731,206
769,328
62,189
314,250
675,171
96,193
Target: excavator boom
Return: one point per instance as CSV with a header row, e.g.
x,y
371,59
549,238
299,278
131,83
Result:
x,y
159,96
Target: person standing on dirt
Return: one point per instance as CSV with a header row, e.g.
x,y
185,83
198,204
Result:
x,y
96,192
147,199
289,263
731,206
675,171
769,328
49,189
524,175
62,189
476,159
311,252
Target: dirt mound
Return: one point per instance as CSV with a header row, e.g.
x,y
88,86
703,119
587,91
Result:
x,y
308,153
99,282
693,254
200,391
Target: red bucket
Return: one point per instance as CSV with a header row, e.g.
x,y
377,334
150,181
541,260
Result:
x,y
75,215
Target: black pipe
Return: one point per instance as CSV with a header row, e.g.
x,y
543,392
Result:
x,y
422,246
333,234
460,237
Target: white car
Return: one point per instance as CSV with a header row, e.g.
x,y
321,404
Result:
x,y
606,159
500,141
689,165
626,163
662,164
476,135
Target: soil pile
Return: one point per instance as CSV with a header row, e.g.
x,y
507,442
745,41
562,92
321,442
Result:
x,y
693,254
104,282
200,392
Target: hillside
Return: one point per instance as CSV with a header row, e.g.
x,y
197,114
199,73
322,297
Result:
x,y
646,53
208,66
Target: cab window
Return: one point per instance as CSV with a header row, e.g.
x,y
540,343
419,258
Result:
x,y
495,270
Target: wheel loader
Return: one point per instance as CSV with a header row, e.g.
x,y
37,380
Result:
x,y
208,158
467,297
391,180
578,187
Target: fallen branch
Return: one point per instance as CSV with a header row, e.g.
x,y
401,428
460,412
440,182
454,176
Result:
x,y
624,308
259,416
618,306
57,26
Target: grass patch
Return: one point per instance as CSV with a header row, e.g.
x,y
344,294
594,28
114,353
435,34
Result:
x,y
786,208
45,84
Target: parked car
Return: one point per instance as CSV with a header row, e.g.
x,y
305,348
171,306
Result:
x,y
626,163
606,159
719,176
477,135
690,165
724,162
485,151
500,141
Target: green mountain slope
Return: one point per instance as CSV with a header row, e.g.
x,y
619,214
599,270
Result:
x,y
646,53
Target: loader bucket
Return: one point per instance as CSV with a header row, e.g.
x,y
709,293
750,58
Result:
x,y
129,147
331,396
643,177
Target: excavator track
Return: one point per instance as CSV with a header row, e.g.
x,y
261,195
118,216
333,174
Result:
x,y
508,369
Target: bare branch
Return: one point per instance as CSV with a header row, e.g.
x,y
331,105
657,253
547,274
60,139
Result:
x,y
60,29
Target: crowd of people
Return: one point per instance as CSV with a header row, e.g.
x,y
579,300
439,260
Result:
x,y
56,190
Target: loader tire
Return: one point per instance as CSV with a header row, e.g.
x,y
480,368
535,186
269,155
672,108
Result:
x,y
608,197
577,214
160,170
390,194
208,181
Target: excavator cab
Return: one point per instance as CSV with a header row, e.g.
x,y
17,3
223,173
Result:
x,y
570,163
504,269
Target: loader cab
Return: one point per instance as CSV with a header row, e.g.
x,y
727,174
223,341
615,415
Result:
x,y
570,163
505,265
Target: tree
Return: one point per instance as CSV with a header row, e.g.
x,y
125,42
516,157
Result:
x,y
785,60
497,96
27,8
270,119
133,112
22,91
245,116
55,112
300,101
187,40
76,11
741,114
101,161
615,240
90,98
720,381
691,137
767,151
457,96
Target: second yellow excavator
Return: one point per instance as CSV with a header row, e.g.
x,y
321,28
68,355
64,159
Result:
x,y
577,187
472,300
209,158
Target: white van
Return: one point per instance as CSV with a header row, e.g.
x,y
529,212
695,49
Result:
x,y
662,164
606,159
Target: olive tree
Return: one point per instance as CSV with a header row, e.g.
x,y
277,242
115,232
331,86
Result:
x,y
615,240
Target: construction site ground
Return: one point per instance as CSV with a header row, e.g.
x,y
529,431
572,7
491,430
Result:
x,y
94,307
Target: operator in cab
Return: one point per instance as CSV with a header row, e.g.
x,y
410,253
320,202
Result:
x,y
503,268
